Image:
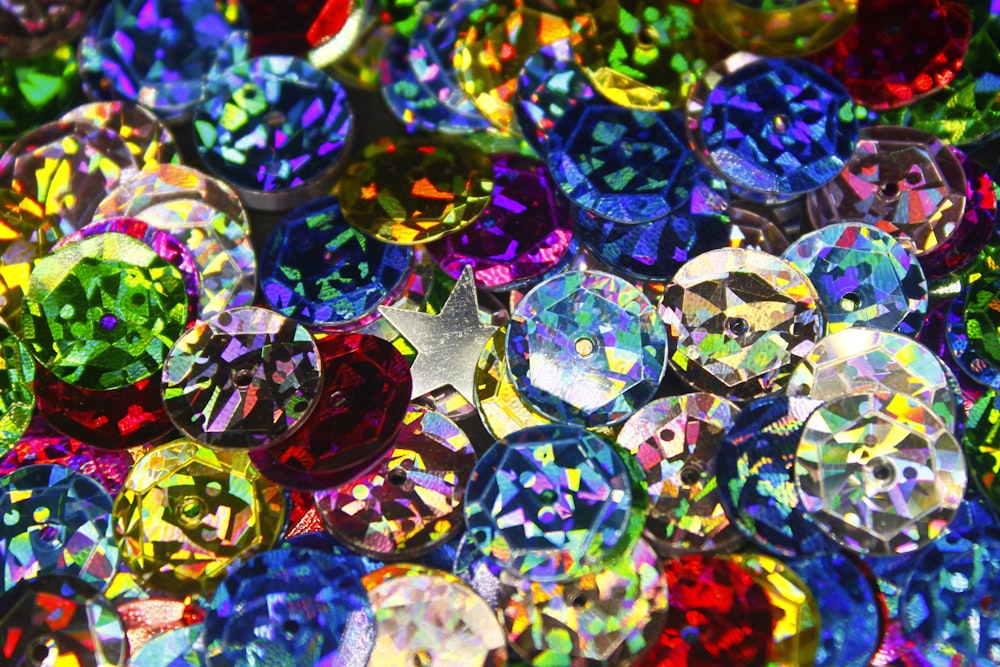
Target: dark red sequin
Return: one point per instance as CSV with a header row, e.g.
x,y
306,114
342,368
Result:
x,y
280,27
331,19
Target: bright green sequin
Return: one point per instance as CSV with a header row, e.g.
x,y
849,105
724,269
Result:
x,y
17,395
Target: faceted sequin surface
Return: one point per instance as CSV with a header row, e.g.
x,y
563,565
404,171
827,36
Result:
x,y
25,104
550,82
982,447
500,406
782,28
147,138
17,397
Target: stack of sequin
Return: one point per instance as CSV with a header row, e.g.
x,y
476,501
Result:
x,y
643,333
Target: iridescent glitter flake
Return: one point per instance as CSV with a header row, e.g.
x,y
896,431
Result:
x,y
865,360
29,27
754,467
550,83
102,313
290,606
55,521
552,503
864,277
428,617
607,618
880,473
782,28
202,213
776,128
623,164
739,321
273,128
17,396
246,378
60,620
161,54
412,500
408,190
585,347
675,441
147,138
186,512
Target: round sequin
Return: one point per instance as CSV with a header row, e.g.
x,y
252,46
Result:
x,y
623,164
160,53
273,128
880,473
102,313
905,182
739,320
524,233
28,27
585,347
286,607
863,277
55,521
17,396
552,503
754,468
981,445
782,28
776,128
318,270
550,83
408,190
428,617
202,213
147,138
412,500
366,390
186,512
865,360
59,620
243,379
675,441
608,618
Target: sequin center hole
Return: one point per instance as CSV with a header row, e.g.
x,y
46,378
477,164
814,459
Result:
x,y
396,477
737,326
584,346
850,302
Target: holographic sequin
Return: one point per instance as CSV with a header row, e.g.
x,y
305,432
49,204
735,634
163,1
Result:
x,y
287,607
607,618
17,396
102,313
55,521
147,138
971,331
776,128
28,27
181,647
360,68
26,105
782,28
863,277
497,401
316,269
552,503
550,83
982,447
754,467
161,54
243,379
866,360
26,233
186,512
412,501
739,320
675,441
408,190
880,473
585,347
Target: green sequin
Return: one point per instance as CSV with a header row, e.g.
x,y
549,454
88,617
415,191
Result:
x,y
35,90
17,395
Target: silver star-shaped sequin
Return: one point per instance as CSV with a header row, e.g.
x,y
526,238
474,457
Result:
x,y
448,344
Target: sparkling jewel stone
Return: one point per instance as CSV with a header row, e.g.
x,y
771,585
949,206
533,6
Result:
x,y
411,501
318,270
60,620
754,467
865,360
290,606
161,54
776,128
524,233
366,390
28,27
186,512
982,447
607,618
428,617
642,54
782,28
864,277
499,405
622,164
550,83
35,89
553,503
55,521
879,472
245,378
273,128
585,347
206,216
407,190
739,320
103,312
17,395
147,138
675,440
718,615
